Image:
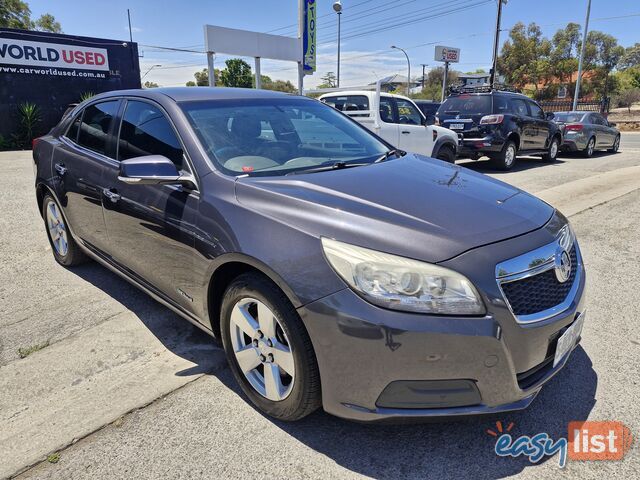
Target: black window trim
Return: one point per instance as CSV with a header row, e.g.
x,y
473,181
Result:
x,y
120,118
394,110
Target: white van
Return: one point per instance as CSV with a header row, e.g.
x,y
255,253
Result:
x,y
397,120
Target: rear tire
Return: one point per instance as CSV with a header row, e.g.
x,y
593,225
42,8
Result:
x,y
552,153
65,249
446,154
274,326
616,145
590,148
506,159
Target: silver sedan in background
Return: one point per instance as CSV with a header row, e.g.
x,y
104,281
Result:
x,y
586,132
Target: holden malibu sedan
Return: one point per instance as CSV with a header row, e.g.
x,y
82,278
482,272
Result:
x,y
337,270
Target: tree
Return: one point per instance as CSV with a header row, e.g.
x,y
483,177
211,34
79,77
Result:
x,y
149,84
433,83
602,54
628,97
328,81
563,58
202,78
277,85
631,57
17,14
635,79
236,74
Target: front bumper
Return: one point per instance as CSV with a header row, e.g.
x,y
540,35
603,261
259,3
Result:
x,y
361,349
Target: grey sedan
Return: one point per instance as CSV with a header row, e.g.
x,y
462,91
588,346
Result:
x,y
337,270
586,132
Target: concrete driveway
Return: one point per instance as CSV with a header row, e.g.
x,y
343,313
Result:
x,y
117,386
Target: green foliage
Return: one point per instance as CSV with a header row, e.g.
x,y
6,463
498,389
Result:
x,y
202,78
277,85
631,57
236,74
635,79
628,97
17,14
86,96
191,83
4,144
24,352
149,84
433,84
329,81
53,458
29,117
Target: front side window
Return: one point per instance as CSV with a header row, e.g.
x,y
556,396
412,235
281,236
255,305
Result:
x,y
278,136
146,131
95,125
407,113
536,111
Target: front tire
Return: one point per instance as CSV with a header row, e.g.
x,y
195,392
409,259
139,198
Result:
x,y
506,159
552,153
446,154
268,349
65,249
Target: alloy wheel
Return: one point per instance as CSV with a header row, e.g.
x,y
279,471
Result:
x,y
553,150
590,146
262,349
616,144
57,229
509,155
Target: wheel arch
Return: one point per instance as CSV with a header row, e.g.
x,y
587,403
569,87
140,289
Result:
x,y
515,138
224,270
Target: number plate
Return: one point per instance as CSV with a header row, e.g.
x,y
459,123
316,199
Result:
x,y
568,339
456,126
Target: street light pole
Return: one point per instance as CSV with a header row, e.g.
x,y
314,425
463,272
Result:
x,y
408,67
576,94
423,67
496,43
337,7
145,73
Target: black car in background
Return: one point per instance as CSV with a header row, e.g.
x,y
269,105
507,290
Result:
x,y
501,125
429,108
586,132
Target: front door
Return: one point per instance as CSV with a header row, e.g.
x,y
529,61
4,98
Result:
x,y
528,130
389,130
414,136
79,162
542,126
151,228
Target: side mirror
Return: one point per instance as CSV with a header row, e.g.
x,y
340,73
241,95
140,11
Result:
x,y
549,116
612,124
153,170
431,119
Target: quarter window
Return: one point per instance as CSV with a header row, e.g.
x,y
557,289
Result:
x,y
386,110
146,131
94,128
74,128
349,103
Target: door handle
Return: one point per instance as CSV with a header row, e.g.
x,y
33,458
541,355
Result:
x,y
60,168
405,132
111,195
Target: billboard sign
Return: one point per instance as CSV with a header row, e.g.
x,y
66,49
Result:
x,y
52,56
245,43
447,54
309,37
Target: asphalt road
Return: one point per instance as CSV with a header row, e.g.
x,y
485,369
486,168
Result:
x,y
200,426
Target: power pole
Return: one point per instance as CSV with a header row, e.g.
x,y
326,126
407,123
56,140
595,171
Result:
x,y
496,43
130,33
576,94
423,67
444,81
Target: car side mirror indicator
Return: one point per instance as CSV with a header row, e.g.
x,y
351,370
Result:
x,y
153,170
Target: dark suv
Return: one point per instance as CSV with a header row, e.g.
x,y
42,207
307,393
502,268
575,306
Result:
x,y
500,125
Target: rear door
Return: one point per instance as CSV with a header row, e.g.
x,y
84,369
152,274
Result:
x,y
414,136
389,128
605,136
152,227
80,160
541,123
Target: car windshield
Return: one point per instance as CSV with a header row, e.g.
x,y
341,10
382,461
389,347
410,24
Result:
x,y
466,105
567,117
278,136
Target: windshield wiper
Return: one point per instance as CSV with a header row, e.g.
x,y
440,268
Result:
x,y
332,166
386,156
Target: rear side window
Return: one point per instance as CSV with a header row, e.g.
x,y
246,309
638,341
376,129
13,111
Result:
x,y
146,131
466,105
74,128
386,110
519,107
94,128
349,103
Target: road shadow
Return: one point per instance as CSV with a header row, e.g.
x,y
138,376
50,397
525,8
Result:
x,y
483,165
439,449
176,334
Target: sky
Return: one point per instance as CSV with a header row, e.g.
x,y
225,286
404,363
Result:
x,y
369,28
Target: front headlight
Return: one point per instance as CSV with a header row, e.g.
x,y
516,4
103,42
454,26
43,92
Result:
x,y
401,283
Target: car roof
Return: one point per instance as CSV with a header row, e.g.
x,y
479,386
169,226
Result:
x,y
360,92
421,101
188,94
575,112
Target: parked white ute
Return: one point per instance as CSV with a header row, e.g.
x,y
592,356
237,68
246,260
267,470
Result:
x,y
397,120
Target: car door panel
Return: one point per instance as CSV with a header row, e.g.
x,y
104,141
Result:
x,y
413,134
389,128
152,227
527,125
541,126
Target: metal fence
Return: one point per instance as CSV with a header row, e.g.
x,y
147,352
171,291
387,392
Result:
x,y
601,106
